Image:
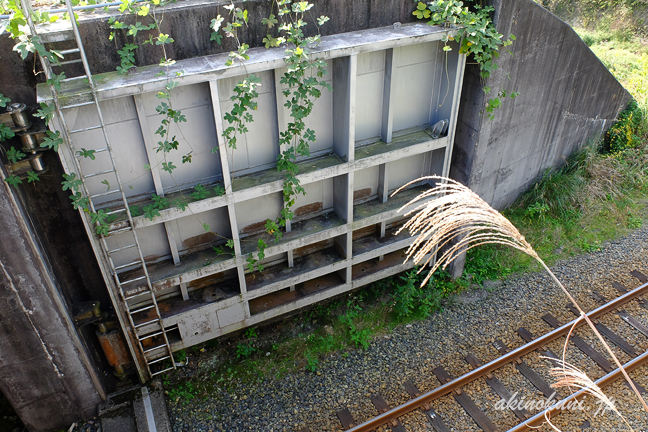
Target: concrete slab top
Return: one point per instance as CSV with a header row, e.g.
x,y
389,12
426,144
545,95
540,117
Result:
x,y
201,69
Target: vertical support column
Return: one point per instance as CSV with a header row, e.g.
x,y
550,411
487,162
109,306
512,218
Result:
x,y
227,181
386,130
171,227
454,111
345,71
344,94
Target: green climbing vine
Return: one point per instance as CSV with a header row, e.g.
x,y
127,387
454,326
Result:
x,y
477,37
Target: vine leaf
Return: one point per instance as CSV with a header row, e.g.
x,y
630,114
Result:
x,y
13,180
71,182
14,155
168,167
180,205
135,210
45,112
32,177
150,211
87,153
52,140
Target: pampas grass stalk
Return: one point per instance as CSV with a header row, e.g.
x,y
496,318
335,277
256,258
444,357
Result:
x,y
454,217
571,377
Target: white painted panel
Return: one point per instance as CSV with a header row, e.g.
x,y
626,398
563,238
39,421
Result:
x,y
405,170
417,53
152,239
319,192
371,62
231,315
366,179
181,97
413,86
259,146
113,110
369,104
130,157
258,210
196,136
192,233
321,118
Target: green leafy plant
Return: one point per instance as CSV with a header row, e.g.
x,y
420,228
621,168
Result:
x,y
200,192
410,301
477,36
6,132
100,221
52,140
14,155
244,350
13,180
312,363
32,177
626,131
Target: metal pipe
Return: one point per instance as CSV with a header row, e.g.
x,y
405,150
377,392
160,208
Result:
x,y
18,115
475,374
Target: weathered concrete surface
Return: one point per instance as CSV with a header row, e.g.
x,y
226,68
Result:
x,y
44,370
188,23
567,96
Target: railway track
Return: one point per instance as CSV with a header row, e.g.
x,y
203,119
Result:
x,y
452,386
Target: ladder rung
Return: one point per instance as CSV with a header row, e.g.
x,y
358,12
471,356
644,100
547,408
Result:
x,y
67,62
123,266
122,248
159,360
154,348
147,323
115,211
141,309
150,336
69,51
79,104
101,150
162,371
119,231
105,193
98,173
74,79
134,280
86,129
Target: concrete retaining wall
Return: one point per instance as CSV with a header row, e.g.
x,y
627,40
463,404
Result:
x,y
567,96
44,370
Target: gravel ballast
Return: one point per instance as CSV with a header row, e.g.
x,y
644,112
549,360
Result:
x,y
470,325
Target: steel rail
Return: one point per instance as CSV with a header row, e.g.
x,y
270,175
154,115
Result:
x,y
489,367
557,408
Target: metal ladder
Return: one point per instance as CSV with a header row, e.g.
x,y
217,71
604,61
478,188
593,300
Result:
x,y
153,328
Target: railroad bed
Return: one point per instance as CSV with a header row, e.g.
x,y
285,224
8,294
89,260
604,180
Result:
x,y
491,371
348,380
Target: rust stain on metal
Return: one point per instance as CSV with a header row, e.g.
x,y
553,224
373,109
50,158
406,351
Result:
x,y
309,208
361,193
199,240
366,231
315,247
114,347
273,300
254,228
